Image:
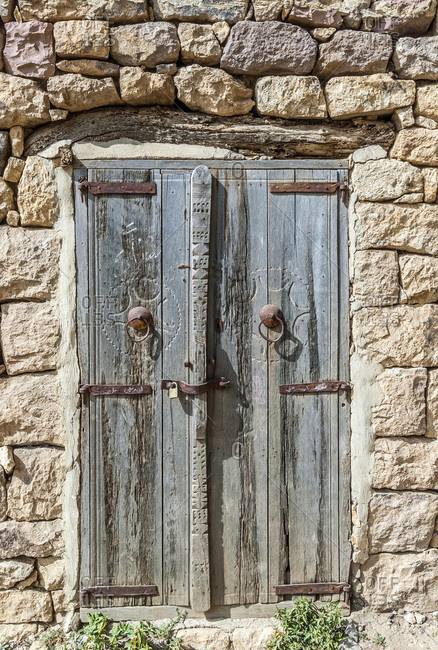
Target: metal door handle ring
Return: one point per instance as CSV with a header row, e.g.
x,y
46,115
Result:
x,y
280,322
133,338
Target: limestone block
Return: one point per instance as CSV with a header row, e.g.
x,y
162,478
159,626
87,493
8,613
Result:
x,y
13,170
268,48
221,30
372,152
401,522
3,496
34,492
418,146
322,34
352,52
402,410
204,638
409,581
30,538
31,410
405,464
404,227
17,141
166,68
375,278
28,50
250,637
425,122
57,115
290,97
200,10
5,149
82,39
12,218
25,606
212,91
403,118
377,94
60,603
199,44
14,571
426,104
314,14
401,17
89,67
402,335
412,197
140,88
6,199
128,11
382,180
430,175
37,194
19,633
30,337
22,102
268,9
432,405
146,44
51,572
416,58
7,461
74,92
419,278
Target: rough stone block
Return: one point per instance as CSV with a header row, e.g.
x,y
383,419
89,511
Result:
x,y
268,48
146,44
401,522
3,496
405,464
419,278
402,410
401,17
352,52
7,461
391,581
14,571
74,93
372,152
314,14
417,58
51,573
17,143
6,199
412,197
28,50
430,175
82,39
290,97
5,149
427,100
140,88
375,278
417,146
31,410
221,30
25,606
19,633
89,67
34,492
425,122
128,11
204,637
13,170
405,227
323,34
22,102
199,44
403,118
31,538
252,637
382,180
37,193
201,10
29,337
212,91
432,404
268,9
377,94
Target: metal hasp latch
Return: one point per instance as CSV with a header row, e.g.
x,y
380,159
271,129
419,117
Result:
x,y
195,389
123,590
315,588
107,390
316,387
310,187
115,188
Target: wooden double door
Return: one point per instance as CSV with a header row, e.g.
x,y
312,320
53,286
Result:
x,y
216,498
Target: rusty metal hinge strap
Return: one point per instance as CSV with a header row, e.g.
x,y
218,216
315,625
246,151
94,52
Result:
x,y
195,389
125,590
317,588
115,188
107,390
316,387
307,187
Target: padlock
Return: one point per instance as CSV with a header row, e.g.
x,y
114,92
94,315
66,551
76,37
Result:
x,y
173,390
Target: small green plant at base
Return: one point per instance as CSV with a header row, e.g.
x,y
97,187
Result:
x,y
379,639
4,645
307,627
98,635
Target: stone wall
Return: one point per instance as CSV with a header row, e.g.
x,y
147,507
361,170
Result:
x,y
280,60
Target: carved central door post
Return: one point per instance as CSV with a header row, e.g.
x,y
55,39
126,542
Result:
x,y
200,224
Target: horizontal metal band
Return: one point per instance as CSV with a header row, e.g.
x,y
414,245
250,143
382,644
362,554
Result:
x,y
118,188
195,389
125,590
312,588
316,387
303,187
107,390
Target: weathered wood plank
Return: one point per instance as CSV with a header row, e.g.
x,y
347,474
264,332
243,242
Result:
x,y
246,134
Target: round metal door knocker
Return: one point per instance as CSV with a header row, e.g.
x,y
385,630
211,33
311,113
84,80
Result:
x,y
140,320
270,317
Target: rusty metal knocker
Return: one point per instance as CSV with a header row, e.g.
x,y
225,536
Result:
x,y
139,319
271,316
